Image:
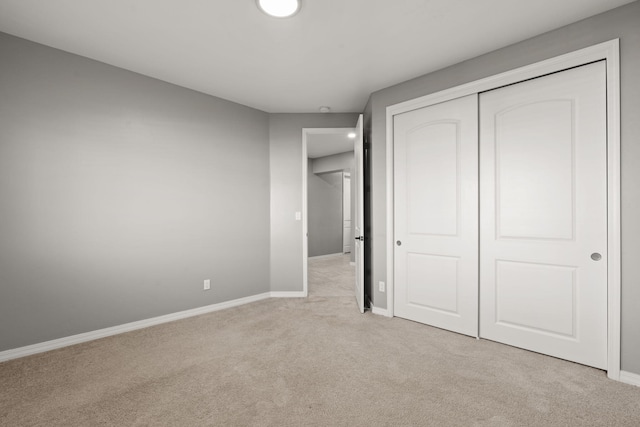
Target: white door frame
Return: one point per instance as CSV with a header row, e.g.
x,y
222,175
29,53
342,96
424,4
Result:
x,y
305,219
346,176
608,51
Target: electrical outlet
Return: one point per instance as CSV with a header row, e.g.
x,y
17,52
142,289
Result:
x,y
381,286
207,284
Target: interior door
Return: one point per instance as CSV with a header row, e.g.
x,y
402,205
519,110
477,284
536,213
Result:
x,y
543,210
436,215
358,217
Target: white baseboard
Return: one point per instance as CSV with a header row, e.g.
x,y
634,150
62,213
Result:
x,y
288,294
630,378
625,377
127,327
379,311
327,256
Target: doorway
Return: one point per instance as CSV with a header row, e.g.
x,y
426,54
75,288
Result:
x,y
328,160
332,204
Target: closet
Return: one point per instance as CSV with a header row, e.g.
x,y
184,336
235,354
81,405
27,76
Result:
x,y
500,214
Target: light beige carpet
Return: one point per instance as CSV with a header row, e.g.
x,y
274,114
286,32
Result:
x,y
306,362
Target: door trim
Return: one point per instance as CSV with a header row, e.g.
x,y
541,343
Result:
x,y
305,219
609,51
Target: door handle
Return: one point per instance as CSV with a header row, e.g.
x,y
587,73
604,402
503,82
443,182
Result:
x,y
596,256
361,238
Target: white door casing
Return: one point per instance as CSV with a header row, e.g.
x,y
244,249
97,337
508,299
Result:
x,y
608,51
543,213
358,215
436,215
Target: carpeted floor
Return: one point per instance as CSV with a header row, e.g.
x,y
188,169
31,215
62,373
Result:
x,y
306,362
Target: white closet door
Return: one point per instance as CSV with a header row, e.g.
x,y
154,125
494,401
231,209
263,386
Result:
x,y
543,213
436,215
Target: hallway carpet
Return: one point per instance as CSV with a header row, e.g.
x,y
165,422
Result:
x,y
306,362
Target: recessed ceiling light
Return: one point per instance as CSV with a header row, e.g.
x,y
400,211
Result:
x,y
279,8
324,109
351,135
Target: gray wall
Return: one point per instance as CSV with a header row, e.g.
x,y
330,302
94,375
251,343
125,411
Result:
x,y
285,141
339,162
623,23
119,195
333,163
324,197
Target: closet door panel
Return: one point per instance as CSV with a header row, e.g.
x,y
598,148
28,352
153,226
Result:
x,y
436,215
543,215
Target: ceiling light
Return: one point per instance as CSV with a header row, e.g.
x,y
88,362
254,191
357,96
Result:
x,y
324,109
279,8
351,135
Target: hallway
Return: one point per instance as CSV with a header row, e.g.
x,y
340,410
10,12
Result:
x,y
331,277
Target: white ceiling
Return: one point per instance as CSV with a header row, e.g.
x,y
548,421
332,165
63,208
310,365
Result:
x,y
326,144
334,52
